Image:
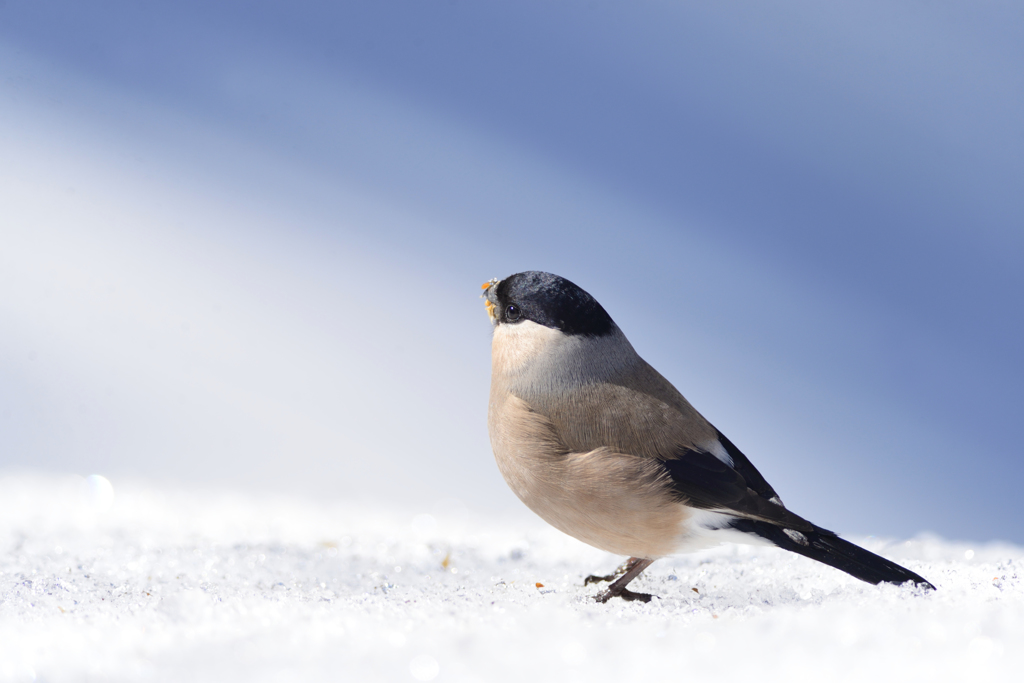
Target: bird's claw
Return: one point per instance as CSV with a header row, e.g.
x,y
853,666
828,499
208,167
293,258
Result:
x,y
594,578
627,595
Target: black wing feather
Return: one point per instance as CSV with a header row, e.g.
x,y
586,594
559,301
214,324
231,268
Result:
x,y
703,481
746,469
827,548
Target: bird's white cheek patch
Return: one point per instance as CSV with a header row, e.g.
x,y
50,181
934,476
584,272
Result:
x,y
515,348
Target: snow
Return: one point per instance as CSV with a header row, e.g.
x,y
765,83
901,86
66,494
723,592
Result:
x,y
127,580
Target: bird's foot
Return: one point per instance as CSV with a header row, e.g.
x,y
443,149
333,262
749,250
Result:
x,y
594,578
629,570
625,594
622,569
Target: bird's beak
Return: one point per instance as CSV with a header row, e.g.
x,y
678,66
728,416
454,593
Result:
x,y
488,297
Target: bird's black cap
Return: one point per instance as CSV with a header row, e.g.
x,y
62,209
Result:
x,y
549,300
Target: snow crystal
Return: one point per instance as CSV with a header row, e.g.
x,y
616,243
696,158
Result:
x,y
121,581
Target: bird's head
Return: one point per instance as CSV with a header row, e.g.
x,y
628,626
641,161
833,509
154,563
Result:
x,y
550,335
547,300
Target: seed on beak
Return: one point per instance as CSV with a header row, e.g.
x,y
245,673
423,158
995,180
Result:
x,y
487,302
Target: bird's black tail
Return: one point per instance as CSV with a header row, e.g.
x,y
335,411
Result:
x,y
824,546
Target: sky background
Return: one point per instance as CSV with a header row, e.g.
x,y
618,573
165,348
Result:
x,y
241,243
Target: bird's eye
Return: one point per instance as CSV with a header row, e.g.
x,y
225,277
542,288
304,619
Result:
x,y
512,312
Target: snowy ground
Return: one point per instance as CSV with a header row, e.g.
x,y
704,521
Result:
x,y
149,583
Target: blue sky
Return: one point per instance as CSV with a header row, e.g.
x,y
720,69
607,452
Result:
x,y
241,243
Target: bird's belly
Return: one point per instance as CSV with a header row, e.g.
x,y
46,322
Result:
x,y
610,501
613,501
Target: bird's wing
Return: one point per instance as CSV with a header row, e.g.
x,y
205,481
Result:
x,y
747,470
693,457
642,414
703,481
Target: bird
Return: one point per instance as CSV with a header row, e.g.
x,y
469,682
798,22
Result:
x,y
602,447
